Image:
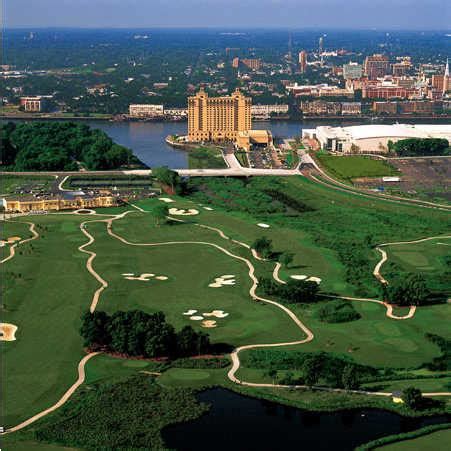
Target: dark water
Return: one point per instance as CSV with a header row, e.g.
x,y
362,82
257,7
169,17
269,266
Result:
x,y
239,423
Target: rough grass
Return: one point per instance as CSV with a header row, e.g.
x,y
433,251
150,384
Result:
x,y
349,167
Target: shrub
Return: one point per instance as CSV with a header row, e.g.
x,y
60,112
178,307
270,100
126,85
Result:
x,y
337,312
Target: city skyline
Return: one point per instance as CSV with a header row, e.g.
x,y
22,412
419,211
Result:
x,y
404,14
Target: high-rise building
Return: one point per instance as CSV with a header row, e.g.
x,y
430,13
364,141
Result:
x,y
376,66
446,78
218,118
303,61
352,71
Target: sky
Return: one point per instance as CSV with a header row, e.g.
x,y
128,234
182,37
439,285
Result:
x,y
347,14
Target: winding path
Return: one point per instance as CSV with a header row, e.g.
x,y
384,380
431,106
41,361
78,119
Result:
x,y
309,336
12,248
62,400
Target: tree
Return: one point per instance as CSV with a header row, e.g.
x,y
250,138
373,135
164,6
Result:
x,y
190,342
311,370
272,373
160,212
263,247
94,329
349,377
286,258
408,290
167,177
412,397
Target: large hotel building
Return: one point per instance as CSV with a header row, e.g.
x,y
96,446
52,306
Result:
x,y
218,118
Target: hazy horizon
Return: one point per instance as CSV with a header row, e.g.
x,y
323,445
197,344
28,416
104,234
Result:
x,y
404,15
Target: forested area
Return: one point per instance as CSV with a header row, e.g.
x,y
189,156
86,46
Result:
x,y
60,146
136,333
294,291
414,147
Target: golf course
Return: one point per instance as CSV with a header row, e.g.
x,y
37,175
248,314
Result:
x,y
200,270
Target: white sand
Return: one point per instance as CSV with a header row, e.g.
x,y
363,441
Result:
x,y
8,332
196,318
189,312
128,274
161,278
217,314
208,208
299,276
13,239
166,199
208,323
183,212
227,279
314,279
145,277
263,226
2,243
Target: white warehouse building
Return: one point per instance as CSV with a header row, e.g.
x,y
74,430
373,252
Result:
x,y
372,138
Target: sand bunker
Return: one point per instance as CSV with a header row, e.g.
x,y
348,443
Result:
x,y
84,211
299,276
2,243
227,279
208,323
13,239
145,277
264,226
208,208
314,279
217,314
166,199
8,332
189,312
183,212
196,318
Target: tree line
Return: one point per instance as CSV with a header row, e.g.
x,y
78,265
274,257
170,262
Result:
x,y
137,333
420,147
60,146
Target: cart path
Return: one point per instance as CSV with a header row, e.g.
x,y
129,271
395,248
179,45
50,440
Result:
x,y
12,248
309,336
62,400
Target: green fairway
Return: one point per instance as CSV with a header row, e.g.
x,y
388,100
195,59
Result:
x,y
435,441
349,167
45,303
46,286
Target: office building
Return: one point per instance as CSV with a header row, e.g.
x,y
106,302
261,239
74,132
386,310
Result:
x,y
145,110
33,104
303,61
376,66
352,71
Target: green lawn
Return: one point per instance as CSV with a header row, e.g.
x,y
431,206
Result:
x,y
349,167
436,441
206,157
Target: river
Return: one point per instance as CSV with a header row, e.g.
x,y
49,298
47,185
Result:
x,y
239,423
147,139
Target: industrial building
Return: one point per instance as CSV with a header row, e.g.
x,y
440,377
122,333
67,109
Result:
x,y
372,138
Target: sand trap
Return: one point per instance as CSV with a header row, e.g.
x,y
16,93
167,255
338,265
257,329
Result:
x,y
128,274
8,332
217,314
84,211
13,239
196,318
166,199
314,279
145,277
189,312
183,212
299,276
2,243
208,208
227,279
264,226
208,323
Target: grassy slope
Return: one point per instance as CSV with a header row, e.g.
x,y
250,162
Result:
x,y
436,441
347,168
45,304
211,158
